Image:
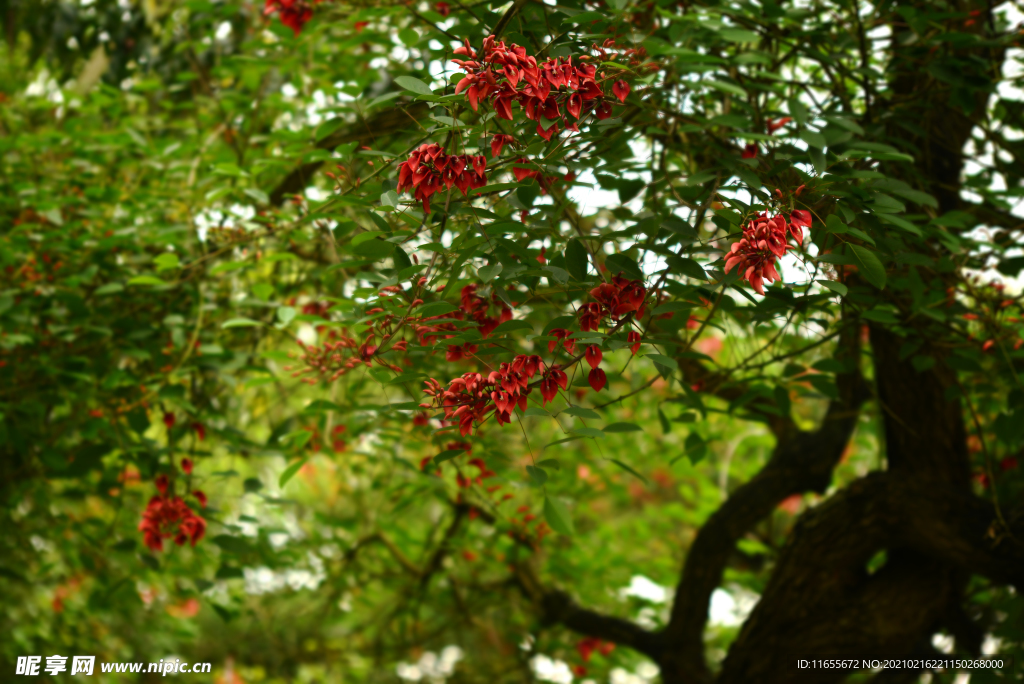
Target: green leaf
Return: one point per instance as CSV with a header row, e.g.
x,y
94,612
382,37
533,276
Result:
x,y
665,426
228,266
447,455
289,472
621,262
729,88
389,199
236,545
435,309
869,265
734,35
374,249
489,272
537,475
285,314
409,36
414,84
241,322
834,224
813,138
557,516
536,412
695,448
146,280
109,288
797,110
512,326
623,427
843,122
582,412
629,470
550,463
687,267
167,261
258,195
663,360
577,261
817,157
838,288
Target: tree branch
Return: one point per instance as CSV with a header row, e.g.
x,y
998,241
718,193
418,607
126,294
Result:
x,y
558,607
801,461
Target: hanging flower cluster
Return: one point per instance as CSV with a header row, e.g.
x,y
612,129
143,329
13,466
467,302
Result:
x,y
168,516
764,239
615,300
428,169
506,74
471,397
294,13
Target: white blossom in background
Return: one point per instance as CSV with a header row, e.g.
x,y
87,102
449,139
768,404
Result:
x,y
431,667
645,673
644,588
550,670
730,608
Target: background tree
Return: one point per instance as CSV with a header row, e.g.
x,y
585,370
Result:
x,y
719,294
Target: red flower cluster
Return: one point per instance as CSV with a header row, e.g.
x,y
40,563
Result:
x,y
471,397
169,516
763,240
588,645
546,87
338,355
428,168
294,13
614,299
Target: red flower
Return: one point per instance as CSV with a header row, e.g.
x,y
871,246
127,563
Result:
x,y
776,125
801,217
162,482
200,496
200,431
590,317
593,355
521,173
186,465
498,142
169,420
169,516
621,90
633,338
428,170
443,9
550,384
360,25
1008,463
764,239
294,13
749,151
597,379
